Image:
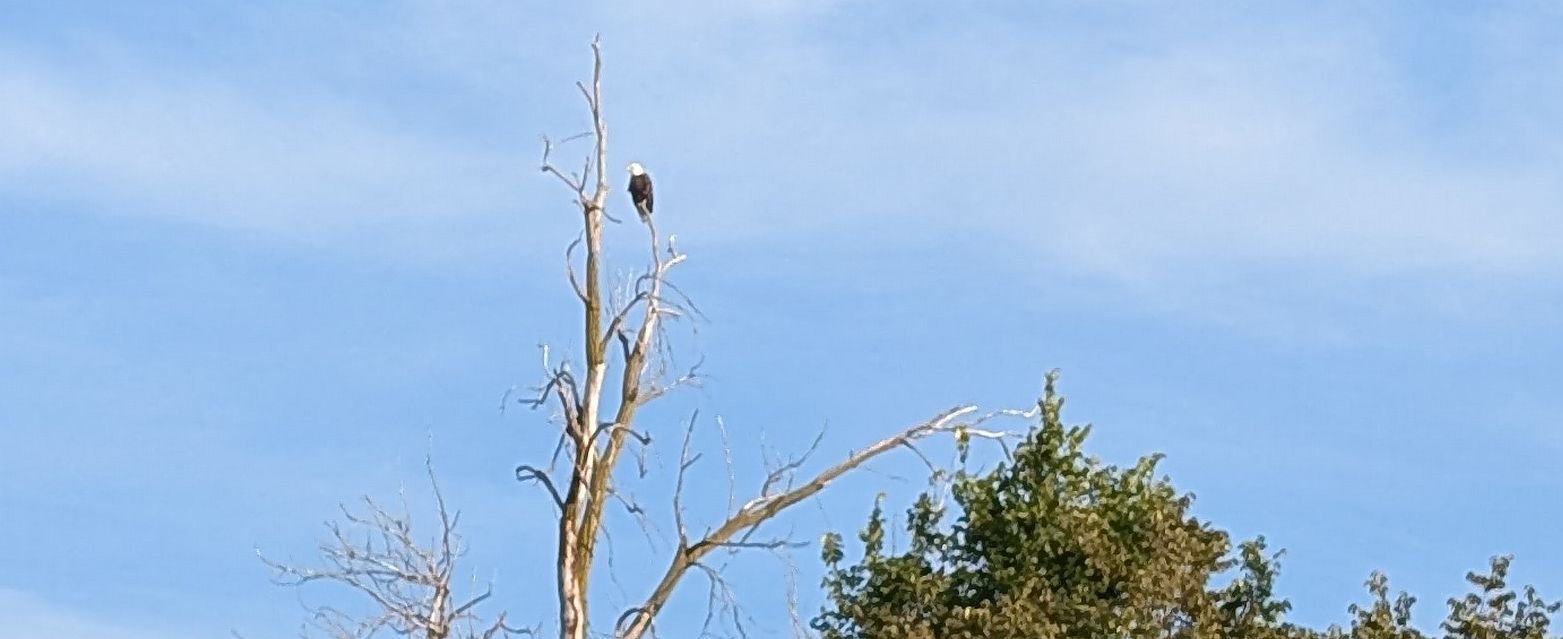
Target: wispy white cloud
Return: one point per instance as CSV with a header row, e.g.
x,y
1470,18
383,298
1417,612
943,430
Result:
x,y
223,153
1161,155
29,616
1272,145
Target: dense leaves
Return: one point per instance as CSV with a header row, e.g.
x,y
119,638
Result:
x,y
1494,611
1055,544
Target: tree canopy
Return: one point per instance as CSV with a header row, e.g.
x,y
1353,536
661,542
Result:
x,y
1053,543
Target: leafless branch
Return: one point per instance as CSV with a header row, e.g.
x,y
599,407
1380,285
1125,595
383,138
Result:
x,y
799,628
766,507
787,469
569,266
720,601
526,473
600,401
576,182
727,456
374,552
685,461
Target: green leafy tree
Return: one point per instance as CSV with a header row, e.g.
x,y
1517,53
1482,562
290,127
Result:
x,y
1053,543
1491,611
1383,618
1495,611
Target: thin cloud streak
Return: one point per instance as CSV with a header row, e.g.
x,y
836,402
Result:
x,y
1144,155
219,153
30,617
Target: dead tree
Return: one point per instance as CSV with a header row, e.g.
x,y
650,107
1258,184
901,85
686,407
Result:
x,y
409,584
596,414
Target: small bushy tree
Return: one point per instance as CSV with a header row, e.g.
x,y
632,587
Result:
x,y
1052,543
1055,544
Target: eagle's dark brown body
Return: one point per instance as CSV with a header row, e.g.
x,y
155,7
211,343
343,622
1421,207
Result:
x,y
641,194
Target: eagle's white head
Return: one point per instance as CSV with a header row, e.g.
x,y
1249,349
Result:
x,y
636,169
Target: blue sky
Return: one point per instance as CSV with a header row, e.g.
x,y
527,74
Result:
x,y
260,258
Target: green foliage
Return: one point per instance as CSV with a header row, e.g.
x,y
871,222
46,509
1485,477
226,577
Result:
x,y
1496,612
1054,544
1492,611
1383,618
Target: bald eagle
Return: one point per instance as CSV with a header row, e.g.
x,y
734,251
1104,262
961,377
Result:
x,y
640,190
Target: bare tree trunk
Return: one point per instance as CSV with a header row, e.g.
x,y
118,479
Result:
x,y
595,446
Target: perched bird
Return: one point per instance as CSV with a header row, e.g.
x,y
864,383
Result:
x,y
640,190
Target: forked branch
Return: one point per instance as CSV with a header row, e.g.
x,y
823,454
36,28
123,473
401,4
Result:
x,y
635,622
